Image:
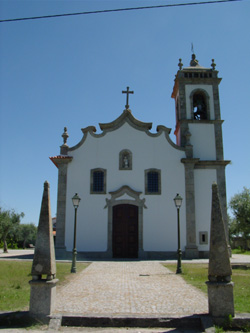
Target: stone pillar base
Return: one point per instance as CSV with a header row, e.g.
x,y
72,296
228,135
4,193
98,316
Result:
x,y
191,252
42,297
220,299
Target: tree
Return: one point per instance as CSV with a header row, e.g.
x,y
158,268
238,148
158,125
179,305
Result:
x,y
26,233
240,206
9,220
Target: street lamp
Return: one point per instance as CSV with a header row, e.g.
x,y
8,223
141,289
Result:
x,y
178,202
76,200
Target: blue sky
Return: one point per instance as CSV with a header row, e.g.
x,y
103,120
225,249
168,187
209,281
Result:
x,y
70,71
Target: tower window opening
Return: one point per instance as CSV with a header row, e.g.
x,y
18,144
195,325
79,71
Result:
x,y
199,106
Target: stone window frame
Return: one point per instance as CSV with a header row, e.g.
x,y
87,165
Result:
x,y
146,181
122,154
92,171
203,237
207,98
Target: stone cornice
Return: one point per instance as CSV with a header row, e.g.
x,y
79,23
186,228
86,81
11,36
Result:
x,y
203,121
190,160
211,164
201,164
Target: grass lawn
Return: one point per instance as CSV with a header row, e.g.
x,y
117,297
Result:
x,y
196,274
14,282
240,251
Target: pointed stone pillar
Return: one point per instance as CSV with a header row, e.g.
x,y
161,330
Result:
x,y
43,283
220,286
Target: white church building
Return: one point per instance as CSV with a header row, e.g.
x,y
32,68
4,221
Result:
x,y
128,176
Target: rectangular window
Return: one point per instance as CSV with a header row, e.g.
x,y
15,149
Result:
x,y
152,181
203,236
98,184
98,181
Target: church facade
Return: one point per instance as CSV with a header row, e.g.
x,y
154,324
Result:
x,y
128,176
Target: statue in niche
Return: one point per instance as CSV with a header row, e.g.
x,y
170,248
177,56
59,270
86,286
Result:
x,y
125,163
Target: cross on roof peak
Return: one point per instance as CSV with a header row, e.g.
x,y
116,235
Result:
x,y
127,98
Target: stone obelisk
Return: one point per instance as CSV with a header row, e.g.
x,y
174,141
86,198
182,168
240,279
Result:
x,y
43,283
220,286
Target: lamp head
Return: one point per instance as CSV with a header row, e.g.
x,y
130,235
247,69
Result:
x,y
76,200
178,200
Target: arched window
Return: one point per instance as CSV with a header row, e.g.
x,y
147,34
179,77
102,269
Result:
x,y
199,106
98,181
125,160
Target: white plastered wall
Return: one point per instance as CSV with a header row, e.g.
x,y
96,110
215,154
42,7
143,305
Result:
x,y
159,219
203,141
203,179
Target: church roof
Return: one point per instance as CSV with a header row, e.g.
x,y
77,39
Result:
x,y
60,158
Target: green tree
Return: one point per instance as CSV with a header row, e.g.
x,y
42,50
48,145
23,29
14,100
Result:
x,y
26,233
9,220
240,206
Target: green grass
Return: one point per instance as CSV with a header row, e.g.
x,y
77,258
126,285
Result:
x,y
240,251
196,274
14,282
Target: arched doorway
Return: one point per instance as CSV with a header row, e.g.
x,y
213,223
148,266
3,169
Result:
x,y
125,241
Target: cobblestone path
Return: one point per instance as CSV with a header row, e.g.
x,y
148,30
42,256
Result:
x,y
129,288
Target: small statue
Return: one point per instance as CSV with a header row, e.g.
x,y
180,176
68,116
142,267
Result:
x,y
194,62
125,162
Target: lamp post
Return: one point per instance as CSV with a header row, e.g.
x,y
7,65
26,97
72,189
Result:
x,y
76,200
178,202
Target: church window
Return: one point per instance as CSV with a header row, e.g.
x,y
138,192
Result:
x,y
125,160
203,236
199,106
152,181
98,181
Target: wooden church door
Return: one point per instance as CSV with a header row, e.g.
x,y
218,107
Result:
x,y
125,231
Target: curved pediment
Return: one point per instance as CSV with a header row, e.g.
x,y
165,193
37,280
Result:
x,y
125,190
125,194
126,116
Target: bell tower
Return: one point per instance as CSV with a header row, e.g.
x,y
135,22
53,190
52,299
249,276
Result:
x,y
199,130
197,107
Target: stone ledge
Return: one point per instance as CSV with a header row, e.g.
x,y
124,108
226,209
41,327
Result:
x,y
193,322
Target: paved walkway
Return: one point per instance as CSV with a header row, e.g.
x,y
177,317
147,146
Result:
x,y
130,288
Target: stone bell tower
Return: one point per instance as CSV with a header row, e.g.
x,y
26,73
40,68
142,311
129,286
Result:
x,y
199,130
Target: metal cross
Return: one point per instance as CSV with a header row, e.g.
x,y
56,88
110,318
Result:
x,y
127,92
